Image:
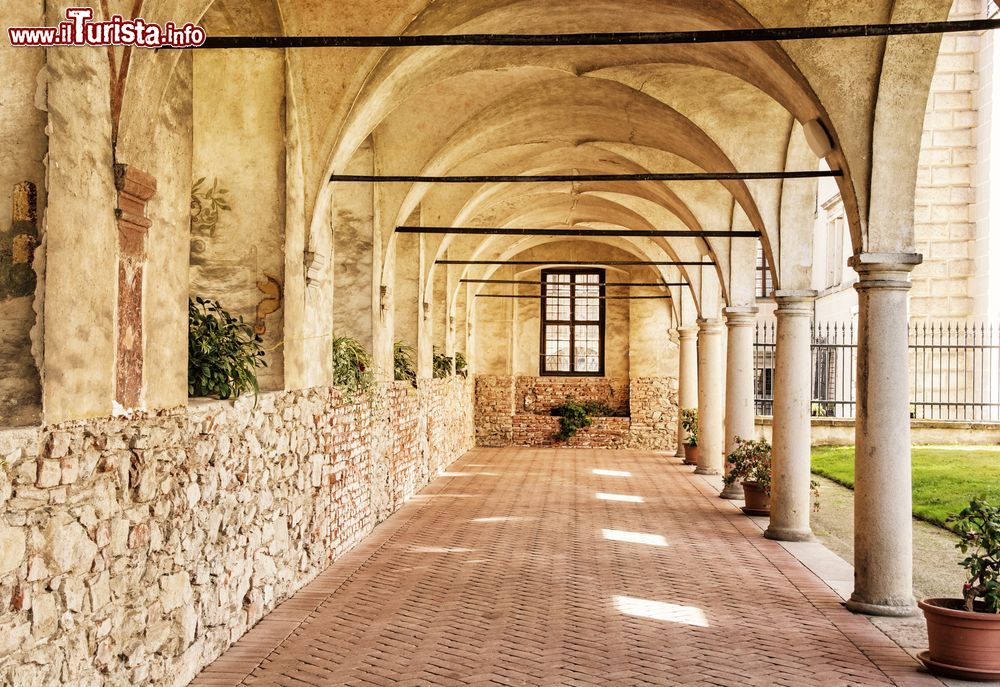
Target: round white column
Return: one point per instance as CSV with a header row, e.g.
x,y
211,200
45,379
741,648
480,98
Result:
x,y
883,518
687,392
710,431
790,458
739,384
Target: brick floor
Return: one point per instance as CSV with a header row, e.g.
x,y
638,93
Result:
x,y
566,567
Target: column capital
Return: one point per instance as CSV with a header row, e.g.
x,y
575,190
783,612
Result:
x,y
710,325
741,315
884,270
795,302
690,332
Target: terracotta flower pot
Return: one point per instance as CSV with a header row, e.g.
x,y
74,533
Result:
x,y
758,500
962,644
690,455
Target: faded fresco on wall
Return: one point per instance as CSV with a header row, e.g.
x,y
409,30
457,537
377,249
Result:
x,y
20,391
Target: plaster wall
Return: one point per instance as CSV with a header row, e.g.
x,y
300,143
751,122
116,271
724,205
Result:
x,y
239,144
23,146
353,236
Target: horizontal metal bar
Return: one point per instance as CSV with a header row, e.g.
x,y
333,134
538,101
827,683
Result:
x,y
562,178
542,283
790,33
507,231
591,298
577,263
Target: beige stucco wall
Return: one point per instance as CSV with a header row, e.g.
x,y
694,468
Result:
x,y
239,140
23,146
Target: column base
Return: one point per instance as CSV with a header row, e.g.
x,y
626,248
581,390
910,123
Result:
x,y
706,471
734,492
903,609
788,534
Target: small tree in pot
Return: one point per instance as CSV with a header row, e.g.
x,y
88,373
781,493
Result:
x,y
689,422
964,634
750,463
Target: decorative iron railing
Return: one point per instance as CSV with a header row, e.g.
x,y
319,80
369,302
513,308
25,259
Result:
x,y
954,370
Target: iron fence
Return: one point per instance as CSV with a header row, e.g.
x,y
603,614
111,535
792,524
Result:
x,y
954,370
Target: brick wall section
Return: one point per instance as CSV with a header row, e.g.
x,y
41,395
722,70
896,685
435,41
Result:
x,y
135,550
945,193
494,410
517,412
540,395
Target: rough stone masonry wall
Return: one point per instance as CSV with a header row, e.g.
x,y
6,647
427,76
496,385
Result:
x,y
133,551
515,411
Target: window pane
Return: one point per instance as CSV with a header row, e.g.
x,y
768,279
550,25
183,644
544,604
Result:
x,y
557,356
588,348
558,292
588,304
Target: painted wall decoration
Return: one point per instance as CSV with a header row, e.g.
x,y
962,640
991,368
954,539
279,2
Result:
x,y
17,245
208,203
270,304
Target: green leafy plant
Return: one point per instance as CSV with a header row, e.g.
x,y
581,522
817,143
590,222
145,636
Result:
x,y
750,461
978,527
352,367
444,365
461,365
207,206
574,416
689,421
404,362
223,352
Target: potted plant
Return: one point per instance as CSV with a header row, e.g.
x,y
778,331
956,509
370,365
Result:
x,y
689,421
750,463
224,352
964,634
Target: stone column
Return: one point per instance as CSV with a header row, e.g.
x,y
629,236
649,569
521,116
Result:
x,y
791,500
740,323
687,394
883,525
710,431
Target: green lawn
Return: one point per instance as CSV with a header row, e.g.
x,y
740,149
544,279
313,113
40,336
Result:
x,y
945,479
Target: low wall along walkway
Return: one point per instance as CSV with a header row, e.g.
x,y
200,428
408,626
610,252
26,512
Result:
x,y
135,550
517,411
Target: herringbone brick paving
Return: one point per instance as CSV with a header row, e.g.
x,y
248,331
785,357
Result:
x,y
566,567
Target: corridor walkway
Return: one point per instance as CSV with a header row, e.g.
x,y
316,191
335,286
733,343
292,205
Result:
x,y
566,567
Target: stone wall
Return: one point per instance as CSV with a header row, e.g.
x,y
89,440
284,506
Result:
x,y
944,225
516,411
135,550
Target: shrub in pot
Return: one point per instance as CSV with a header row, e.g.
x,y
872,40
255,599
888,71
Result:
x,y
964,634
689,421
750,464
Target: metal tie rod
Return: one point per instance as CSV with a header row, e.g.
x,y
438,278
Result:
x,y
754,35
507,231
563,178
577,263
555,283
602,298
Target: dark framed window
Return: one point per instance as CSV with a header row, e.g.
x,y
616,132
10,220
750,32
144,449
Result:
x,y
572,342
765,283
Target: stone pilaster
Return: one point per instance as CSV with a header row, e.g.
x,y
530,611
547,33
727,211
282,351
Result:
x,y
883,524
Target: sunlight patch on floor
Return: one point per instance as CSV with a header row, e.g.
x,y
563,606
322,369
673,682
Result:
x,y
612,473
634,537
620,497
658,610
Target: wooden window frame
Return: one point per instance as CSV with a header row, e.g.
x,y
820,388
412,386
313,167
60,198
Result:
x,y
572,323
